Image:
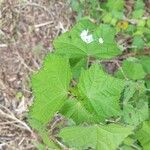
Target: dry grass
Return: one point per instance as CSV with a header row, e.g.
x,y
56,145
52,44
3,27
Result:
x,y
27,29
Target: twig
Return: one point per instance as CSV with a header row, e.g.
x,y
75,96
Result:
x,y
2,85
127,55
36,5
146,51
62,27
43,24
116,62
10,115
23,62
134,21
3,45
8,122
61,145
21,141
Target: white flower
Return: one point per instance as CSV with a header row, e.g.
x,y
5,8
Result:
x,y
84,33
85,37
101,41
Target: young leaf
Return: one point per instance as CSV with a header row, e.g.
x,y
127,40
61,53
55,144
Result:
x,y
100,92
143,135
86,39
50,86
98,137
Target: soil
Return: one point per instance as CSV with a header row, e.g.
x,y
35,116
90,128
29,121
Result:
x,y
27,29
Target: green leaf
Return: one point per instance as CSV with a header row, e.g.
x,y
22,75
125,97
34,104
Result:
x,y
75,110
138,43
116,5
148,83
46,140
44,134
71,44
135,115
77,65
76,6
129,91
145,61
98,137
50,86
100,92
132,69
143,135
148,23
138,9
138,13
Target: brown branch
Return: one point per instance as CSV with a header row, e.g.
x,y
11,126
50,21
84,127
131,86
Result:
x,y
146,51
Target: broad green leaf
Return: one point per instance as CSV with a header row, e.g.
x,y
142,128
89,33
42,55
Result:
x,y
134,115
138,9
71,44
50,88
100,92
77,66
75,110
148,84
129,144
98,137
126,147
145,61
148,23
113,11
143,135
129,91
116,5
131,29
141,23
138,43
132,69
138,13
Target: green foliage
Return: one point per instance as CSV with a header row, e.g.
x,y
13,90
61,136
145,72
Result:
x,y
100,92
75,110
50,87
88,7
72,45
134,23
138,43
107,137
76,65
145,61
143,135
115,5
138,9
113,10
132,69
134,115
100,111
